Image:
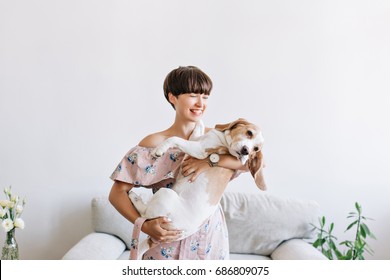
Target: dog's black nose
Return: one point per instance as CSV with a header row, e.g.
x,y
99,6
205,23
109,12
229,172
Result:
x,y
244,150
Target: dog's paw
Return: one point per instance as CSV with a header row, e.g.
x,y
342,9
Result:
x,y
243,159
158,152
162,148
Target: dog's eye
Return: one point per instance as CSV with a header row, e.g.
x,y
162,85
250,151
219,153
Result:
x,y
256,149
249,133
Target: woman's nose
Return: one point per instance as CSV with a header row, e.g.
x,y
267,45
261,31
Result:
x,y
199,101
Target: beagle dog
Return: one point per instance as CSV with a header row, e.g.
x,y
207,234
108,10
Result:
x,y
189,204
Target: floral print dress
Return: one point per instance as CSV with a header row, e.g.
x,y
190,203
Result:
x,y
139,168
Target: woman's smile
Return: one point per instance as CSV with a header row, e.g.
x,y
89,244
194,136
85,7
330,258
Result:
x,y
197,112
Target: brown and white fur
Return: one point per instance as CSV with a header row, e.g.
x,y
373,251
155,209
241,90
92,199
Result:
x,y
187,204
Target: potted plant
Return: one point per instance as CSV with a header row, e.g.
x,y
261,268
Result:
x,y
355,249
10,211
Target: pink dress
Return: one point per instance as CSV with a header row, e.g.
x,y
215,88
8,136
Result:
x,y
140,169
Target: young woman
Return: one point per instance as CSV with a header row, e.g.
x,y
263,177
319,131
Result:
x,y
187,90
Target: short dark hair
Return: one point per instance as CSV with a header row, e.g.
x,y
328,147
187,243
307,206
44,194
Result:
x,y
187,79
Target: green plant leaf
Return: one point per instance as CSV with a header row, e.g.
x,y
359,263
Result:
x,y
339,255
358,207
331,227
368,231
359,244
359,253
318,243
363,231
351,225
328,254
322,221
347,243
348,255
372,235
332,237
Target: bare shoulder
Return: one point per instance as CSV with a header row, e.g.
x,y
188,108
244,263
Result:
x,y
152,140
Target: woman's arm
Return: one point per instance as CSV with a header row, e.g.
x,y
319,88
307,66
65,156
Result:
x,y
154,228
120,200
231,162
196,166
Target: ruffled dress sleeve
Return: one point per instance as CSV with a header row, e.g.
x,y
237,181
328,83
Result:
x,y
139,168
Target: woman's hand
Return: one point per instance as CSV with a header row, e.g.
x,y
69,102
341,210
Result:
x,y
193,166
161,230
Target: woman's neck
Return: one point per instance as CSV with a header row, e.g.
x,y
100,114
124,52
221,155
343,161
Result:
x,y
182,129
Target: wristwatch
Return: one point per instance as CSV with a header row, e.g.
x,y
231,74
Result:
x,y
213,159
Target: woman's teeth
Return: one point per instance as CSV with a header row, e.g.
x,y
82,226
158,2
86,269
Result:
x,y
196,111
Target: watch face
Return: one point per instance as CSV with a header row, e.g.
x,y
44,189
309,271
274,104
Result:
x,y
214,158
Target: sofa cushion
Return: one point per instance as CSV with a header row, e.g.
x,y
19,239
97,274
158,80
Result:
x,y
96,246
106,219
296,249
248,257
258,223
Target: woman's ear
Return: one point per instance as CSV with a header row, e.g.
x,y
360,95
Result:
x,y
256,165
172,99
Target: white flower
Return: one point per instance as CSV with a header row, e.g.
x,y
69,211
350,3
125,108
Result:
x,y
15,198
7,225
19,209
11,209
2,212
4,203
7,203
19,223
7,191
10,204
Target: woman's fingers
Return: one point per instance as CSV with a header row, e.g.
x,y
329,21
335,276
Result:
x,y
165,232
187,169
169,236
194,176
193,166
187,172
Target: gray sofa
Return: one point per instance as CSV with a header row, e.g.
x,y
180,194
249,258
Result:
x,y
261,226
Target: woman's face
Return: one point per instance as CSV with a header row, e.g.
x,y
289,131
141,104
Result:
x,y
190,106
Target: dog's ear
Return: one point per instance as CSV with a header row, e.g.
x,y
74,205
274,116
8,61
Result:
x,y
256,165
229,126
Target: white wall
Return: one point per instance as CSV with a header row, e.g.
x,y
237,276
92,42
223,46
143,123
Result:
x,y
81,83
